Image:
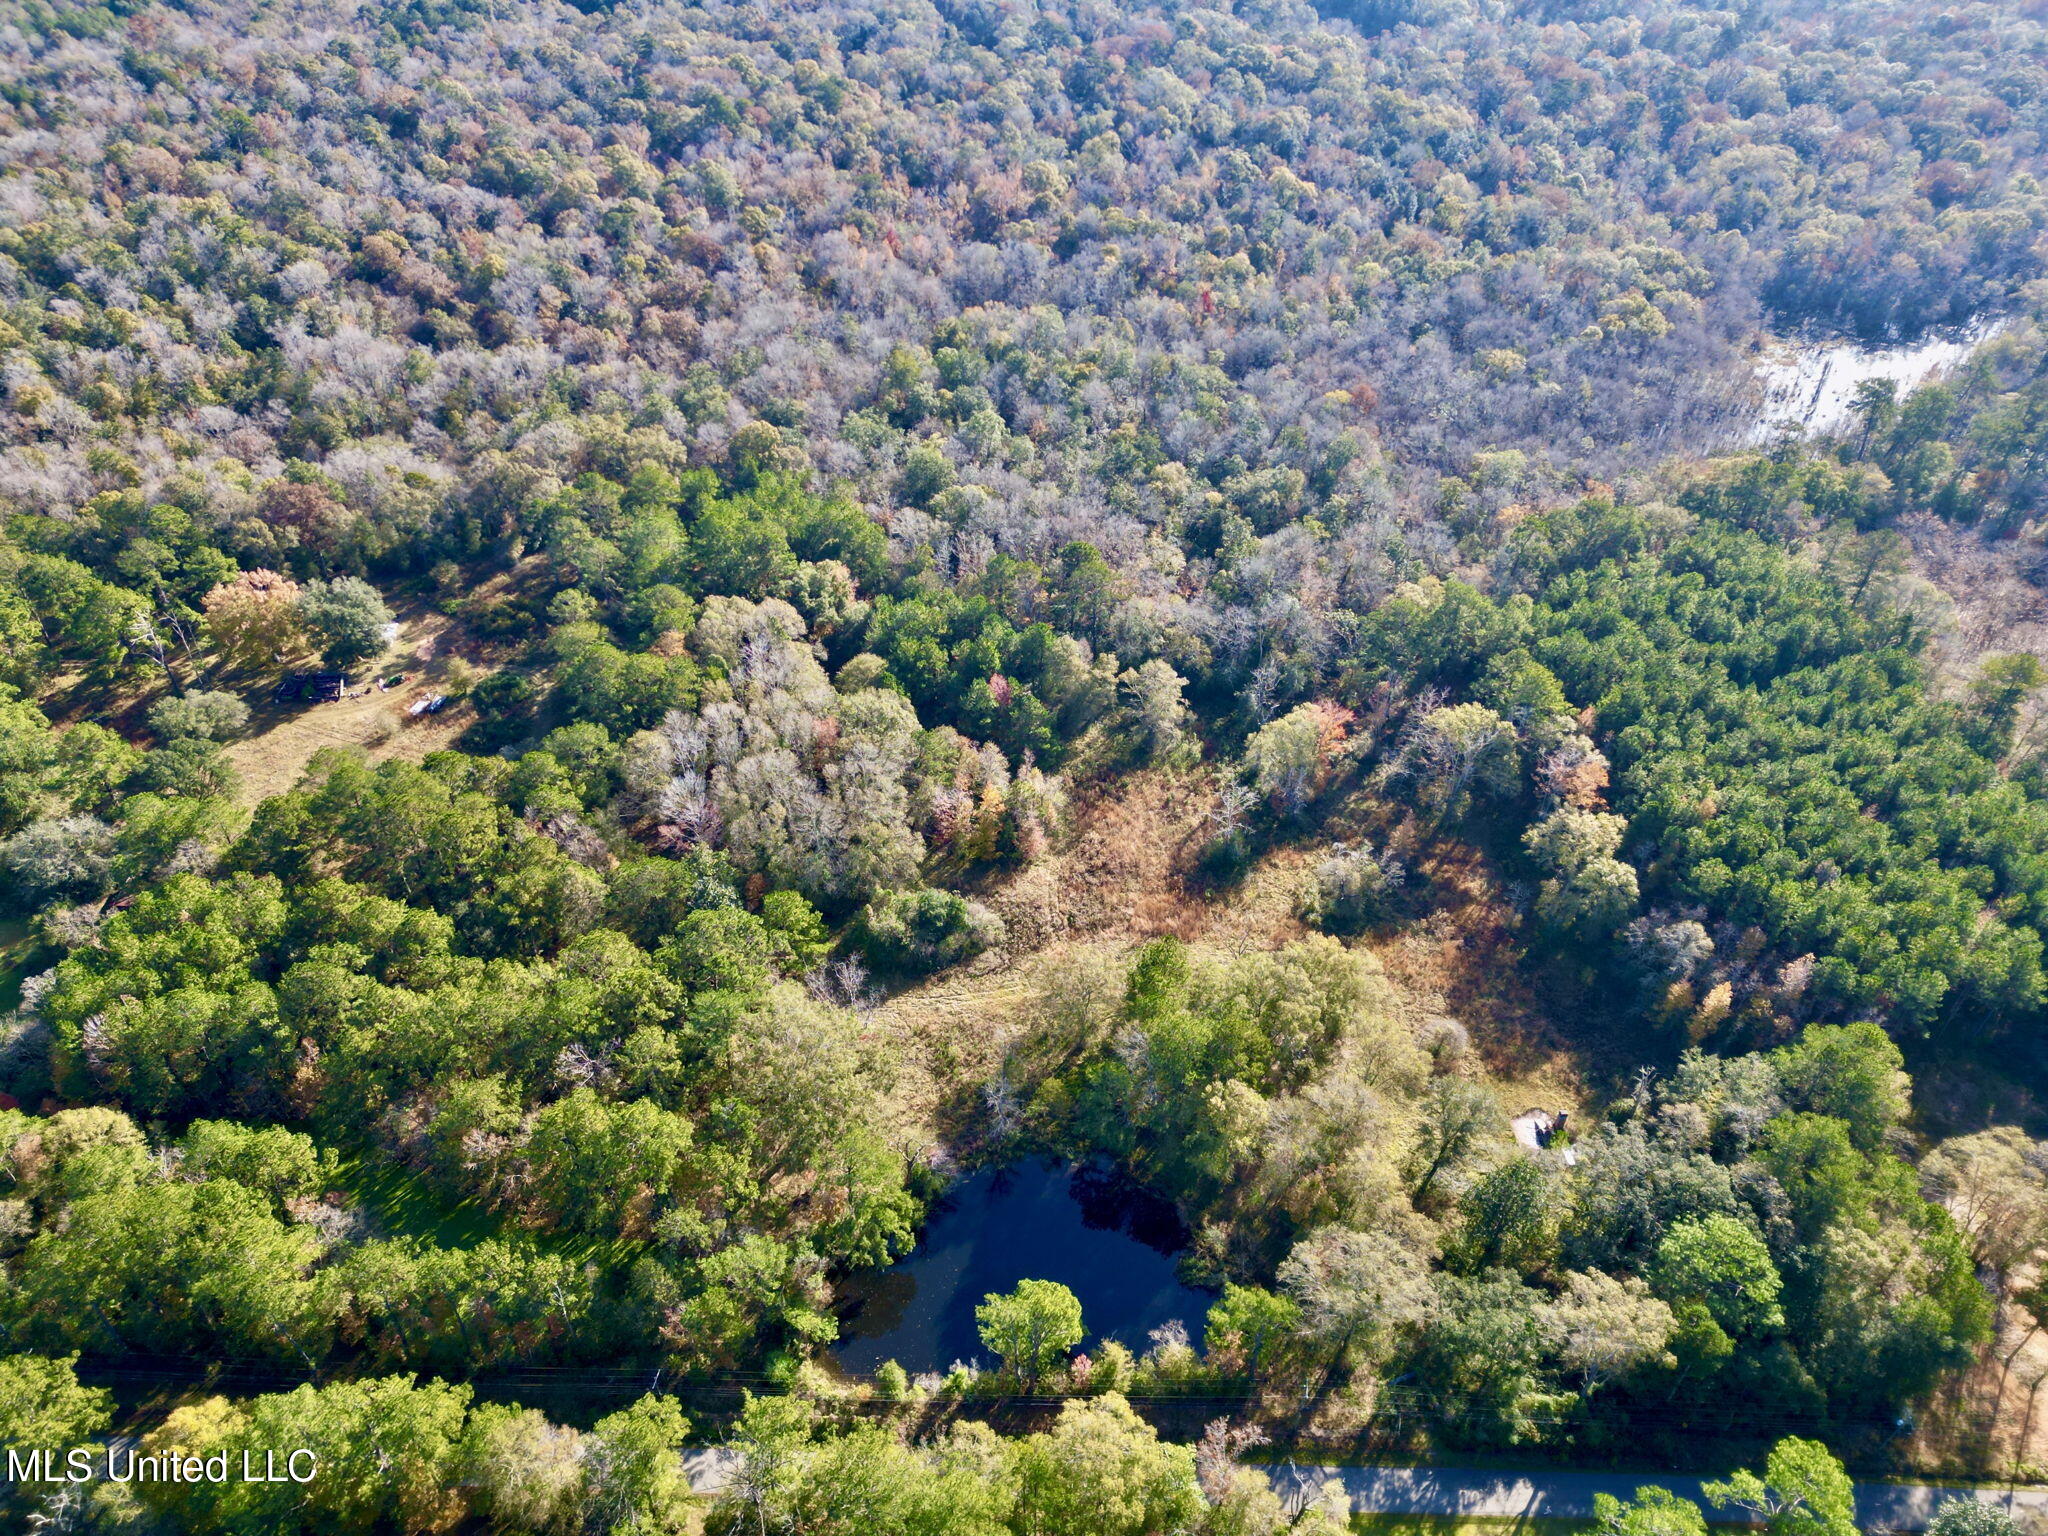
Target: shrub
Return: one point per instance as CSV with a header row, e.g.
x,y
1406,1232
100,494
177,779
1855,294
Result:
x,y
1350,888
892,1382
916,931
207,715
505,705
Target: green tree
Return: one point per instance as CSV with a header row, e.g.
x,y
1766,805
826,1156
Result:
x,y
1457,750
346,617
1103,1471
1862,561
1721,1263
1607,1326
176,1267
522,1472
1157,717
1587,891
862,1482
1085,592
1803,1491
1850,1071
753,1288
1522,689
770,1442
387,1452
1288,759
27,748
24,657
72,858
634,1464
1356,1291
93,766
598,1166
1875,404
1479,1357
1256,1327
1349,889
505,703
799,935
192,768
209,716
1653,1512
1032,1329
42,1404
916,931
275,1162
254,620
1822,1174
494,1303
1508,1218
1888,1303
1459,1119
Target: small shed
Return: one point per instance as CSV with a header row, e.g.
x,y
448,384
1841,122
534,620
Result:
x,y
1537,1129
318,687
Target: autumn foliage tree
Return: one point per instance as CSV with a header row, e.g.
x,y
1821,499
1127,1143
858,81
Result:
x,y
254,621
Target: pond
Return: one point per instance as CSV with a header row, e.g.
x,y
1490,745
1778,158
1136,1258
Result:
x,y
1810,386
1085,1226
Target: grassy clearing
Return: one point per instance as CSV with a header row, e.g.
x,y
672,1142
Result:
x,y
1128,873
283,738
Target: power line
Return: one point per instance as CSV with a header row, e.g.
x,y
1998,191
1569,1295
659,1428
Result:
x,y
1393,1407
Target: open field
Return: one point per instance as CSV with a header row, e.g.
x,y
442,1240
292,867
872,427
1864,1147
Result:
x,y
1126,873
282,738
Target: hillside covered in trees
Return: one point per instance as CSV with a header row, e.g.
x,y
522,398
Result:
x,y
789,470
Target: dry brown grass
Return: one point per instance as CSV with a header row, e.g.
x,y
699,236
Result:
x,y
1998,607
284,738
1115,881
1119,878
951,1033
1991,1420
1464,961
1126,874
1121,873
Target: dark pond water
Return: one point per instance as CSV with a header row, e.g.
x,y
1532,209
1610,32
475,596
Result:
x,y
1087,1227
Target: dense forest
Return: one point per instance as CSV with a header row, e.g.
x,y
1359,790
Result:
x,y
801,465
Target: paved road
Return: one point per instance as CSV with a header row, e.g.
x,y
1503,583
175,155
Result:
x,y
1456,1491
1462,1491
